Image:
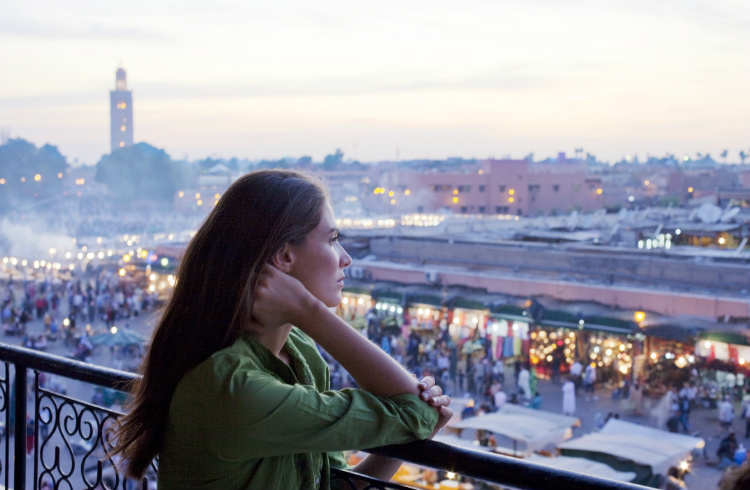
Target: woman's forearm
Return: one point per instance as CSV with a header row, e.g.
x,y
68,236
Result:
x,y
372,369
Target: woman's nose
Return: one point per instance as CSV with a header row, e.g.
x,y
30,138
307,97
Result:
x,y
345,259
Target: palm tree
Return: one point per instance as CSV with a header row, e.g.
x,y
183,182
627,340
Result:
x,y
743,155
724,155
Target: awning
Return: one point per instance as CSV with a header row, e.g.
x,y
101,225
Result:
x,y
559,319
424,299
726,337
467,304
609,324
509,312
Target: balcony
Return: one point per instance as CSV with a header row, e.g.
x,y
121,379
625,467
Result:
x,y
70,439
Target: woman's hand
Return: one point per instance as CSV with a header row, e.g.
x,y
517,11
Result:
x,y
433,394
280,299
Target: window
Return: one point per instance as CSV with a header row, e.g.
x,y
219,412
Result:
x,y
481,209
481,188
464,188
576,187
556,188
464,209
441,187
534,188
502,188
420,209
501,209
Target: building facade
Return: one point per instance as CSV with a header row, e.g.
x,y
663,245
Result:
x,y
492,187
121,113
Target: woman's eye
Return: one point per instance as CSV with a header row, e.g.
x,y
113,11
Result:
x,y
335,238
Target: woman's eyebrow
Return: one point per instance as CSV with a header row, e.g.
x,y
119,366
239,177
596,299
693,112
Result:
x,y
333,230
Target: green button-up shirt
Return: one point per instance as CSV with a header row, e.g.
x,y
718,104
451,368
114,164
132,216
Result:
x,y
245,420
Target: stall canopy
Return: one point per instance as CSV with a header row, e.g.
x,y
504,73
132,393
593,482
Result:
x,y
653,450
583,465
121,338
535,429
616,426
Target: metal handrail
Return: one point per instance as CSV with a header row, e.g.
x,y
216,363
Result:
x,y
503,470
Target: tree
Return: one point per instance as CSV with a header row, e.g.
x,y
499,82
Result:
x,y
137,172
20,164
332,161
743,155
724,155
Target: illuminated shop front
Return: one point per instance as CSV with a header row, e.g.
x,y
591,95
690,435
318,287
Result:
x,y
609,343
424,313
670,342
724,346
508,332
355,303
467,319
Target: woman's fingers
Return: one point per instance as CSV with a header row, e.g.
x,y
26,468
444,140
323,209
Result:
x,y
440,401
427,383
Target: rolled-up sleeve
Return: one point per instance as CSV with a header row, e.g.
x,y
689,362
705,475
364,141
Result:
x,y
265,417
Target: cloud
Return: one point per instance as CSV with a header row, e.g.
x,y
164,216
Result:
x,y
39,30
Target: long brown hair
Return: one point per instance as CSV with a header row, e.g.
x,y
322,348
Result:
x,y
213,297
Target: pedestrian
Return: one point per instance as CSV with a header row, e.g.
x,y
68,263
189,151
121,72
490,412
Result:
x,y
569,397
589,379
234,393
684,412
524,383
29,436
726,412
576,369
746,416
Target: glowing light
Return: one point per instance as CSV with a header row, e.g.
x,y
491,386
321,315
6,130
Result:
x,y
121,272
690,189
164,262
455,200
645,182
511,199
126,258
180,194
113,330
37,177
684,466
59,175
599,191
455,192
199,202
152,277
512,192
653,355
722,240
707,344
217,196
390,194
407,192
639,316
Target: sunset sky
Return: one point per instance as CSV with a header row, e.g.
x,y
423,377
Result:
x,y
382,80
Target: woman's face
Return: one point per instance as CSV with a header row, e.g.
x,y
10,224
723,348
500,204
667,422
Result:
x,y
319,261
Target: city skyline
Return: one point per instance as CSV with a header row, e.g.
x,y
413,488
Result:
x,y
383,82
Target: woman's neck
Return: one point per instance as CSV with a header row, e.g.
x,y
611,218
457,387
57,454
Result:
x,y
274,340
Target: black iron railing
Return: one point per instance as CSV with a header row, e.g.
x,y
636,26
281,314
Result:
x,y
70,438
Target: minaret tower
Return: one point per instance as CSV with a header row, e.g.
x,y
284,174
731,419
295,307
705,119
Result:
x,y
121,112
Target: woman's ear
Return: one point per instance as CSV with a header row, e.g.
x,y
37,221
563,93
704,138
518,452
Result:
x,y
283,259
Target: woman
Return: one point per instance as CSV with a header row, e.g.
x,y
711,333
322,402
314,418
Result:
x,y
234,393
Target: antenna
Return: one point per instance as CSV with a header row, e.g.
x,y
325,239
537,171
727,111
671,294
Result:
x,y
729,214
708,213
